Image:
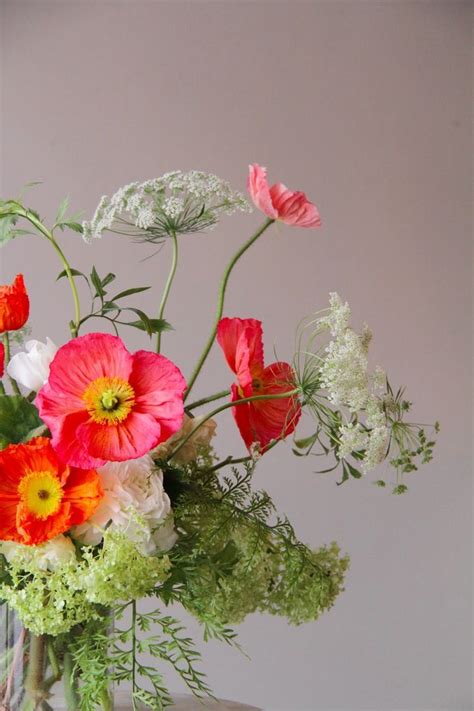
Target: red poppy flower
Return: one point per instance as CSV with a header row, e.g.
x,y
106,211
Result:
x,y
40,497
261,421
103,403
280,203
14,305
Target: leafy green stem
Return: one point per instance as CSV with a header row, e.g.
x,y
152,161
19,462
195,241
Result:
x,y
74,325
221,299
167,289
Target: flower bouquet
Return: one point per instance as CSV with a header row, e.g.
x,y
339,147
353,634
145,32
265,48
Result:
x,y
111,489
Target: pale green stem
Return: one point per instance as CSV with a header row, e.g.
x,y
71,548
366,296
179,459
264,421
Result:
x,y
220,301
234,403
6,343
205,400
34,674
74,325
167,289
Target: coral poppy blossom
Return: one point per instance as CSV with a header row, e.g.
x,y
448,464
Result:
x,y
102,403
260,421
279,203
14,305
40,497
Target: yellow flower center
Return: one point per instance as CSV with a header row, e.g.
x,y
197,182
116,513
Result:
x,y
41,492
109,400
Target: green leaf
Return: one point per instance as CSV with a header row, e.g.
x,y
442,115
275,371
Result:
x,y
106,280
129,292
353,471
97,282
145,321
61,214
74,272
19,420
7,231
306,442
76,226
154,325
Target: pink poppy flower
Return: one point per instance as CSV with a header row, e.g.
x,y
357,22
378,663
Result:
x,y
263,420
102,403
279,203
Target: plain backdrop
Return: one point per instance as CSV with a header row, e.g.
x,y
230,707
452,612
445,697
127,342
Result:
x,y
366,107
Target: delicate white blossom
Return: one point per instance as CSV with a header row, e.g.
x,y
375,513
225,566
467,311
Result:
x,y
344,372
198,443
30,368
47,556
176,203
339,315
134,502
376,449
352,439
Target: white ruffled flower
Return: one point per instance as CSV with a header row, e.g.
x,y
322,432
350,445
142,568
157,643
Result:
x,y
197,443
134,502
47,556
30,368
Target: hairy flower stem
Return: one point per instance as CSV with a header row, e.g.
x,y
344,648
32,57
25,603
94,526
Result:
x,y
220,301
234,403
35,670
205,400
6,343
167,289
74,325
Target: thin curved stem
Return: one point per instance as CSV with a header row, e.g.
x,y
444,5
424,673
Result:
x,y
205,400
167,289
234,403
220,301
74,325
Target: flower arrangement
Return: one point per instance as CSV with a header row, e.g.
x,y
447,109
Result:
x,y
111,489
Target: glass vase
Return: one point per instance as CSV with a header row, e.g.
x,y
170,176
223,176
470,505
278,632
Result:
x,y
37,673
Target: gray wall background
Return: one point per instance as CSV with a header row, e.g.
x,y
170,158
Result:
x,y
365,106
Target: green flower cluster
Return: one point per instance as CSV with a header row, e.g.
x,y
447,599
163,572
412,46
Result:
x,y
52,602
235,557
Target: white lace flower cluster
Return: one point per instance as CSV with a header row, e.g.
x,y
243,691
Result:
x,y
134,502
349,383
176,203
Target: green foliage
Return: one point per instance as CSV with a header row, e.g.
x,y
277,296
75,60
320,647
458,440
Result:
x,y
236,556
106,307
113,654
19,420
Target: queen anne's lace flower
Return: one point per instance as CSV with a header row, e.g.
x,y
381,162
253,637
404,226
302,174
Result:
x,y
344,371
337,320
352,439
176,203
134,502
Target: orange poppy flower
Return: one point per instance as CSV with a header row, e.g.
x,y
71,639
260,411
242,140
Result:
x,y
14,305
40,497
